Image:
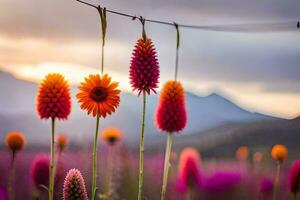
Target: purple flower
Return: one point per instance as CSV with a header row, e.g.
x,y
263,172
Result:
x,y
221,182
40,170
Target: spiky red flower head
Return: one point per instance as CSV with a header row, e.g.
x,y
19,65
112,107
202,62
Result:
x,y
74,186
40,170
53,99
144,68
294,177
189,170
171,113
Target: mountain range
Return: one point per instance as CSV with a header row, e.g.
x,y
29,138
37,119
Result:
x,y
17,112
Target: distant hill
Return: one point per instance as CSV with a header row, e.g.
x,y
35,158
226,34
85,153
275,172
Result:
x,y
260,135
17,112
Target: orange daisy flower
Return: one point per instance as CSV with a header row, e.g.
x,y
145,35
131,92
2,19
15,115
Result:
x,y
99,95
111,135
54,99
15,140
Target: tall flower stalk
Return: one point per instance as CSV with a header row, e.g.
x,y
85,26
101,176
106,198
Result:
x,y
170,117
171,114
100,97
53,101
143,74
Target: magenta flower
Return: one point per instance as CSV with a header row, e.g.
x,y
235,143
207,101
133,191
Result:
x,y
266,186
144,69
189,170
40,170
294,177
3,194
221,182
74,186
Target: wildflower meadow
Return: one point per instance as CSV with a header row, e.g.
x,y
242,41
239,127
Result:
x,y
91,138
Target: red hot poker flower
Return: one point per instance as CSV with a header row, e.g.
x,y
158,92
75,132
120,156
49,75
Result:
x,y
53,99
144,67
171,113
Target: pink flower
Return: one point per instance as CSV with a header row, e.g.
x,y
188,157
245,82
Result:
x,y
74,186
189,170
40,170
294,177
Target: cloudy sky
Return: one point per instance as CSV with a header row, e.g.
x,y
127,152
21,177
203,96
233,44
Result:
x,y
257,66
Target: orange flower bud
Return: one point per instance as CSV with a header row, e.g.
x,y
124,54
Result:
x,y
279,152
15,140
242,153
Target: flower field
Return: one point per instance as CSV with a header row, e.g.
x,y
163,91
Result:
x,y
239,177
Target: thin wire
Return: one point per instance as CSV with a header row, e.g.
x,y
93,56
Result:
x,y
260,27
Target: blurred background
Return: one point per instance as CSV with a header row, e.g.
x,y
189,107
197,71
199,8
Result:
x,y
242,84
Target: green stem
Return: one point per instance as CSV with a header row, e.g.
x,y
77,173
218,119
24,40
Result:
x,y
166,165
276,184
94,183
51,177
142,148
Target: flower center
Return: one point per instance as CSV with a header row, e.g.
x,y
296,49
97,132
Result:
x,y
98,94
